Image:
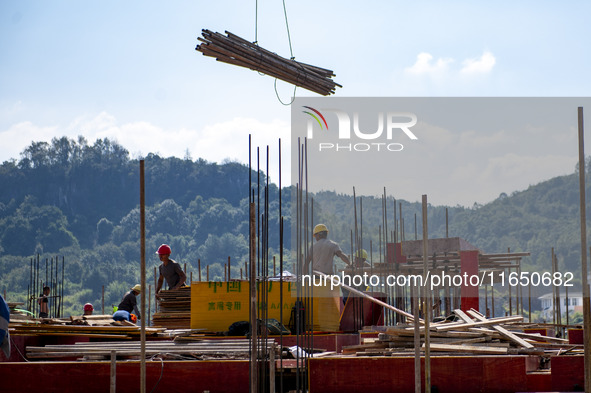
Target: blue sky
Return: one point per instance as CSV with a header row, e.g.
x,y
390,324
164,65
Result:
x,y
129,71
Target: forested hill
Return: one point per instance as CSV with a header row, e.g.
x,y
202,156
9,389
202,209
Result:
x,y
535,220
88,183
80,200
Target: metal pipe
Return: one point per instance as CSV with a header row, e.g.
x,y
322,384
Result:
x,y
253,302
143,278
155,286
62,289
113,379
586,305
417,338
29,287
553,289
280,276
426,307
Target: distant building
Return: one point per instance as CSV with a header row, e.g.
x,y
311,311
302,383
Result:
x,y
575,303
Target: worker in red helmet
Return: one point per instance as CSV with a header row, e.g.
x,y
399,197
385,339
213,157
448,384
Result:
x,y
169,270
88,309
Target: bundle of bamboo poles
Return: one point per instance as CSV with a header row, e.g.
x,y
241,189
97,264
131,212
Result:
x,y
233,49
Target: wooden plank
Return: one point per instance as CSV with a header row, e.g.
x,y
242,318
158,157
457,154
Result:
x,y
456,341
97,316
462,315
237,349
354,348
539,337
468,349
372,299
488,322
90,335
464,334
504,332
82,328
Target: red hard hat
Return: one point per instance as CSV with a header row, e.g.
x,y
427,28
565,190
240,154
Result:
x,y
133,318
164,250
88,307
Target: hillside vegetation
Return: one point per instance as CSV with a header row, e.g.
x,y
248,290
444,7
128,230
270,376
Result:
x,y
78,200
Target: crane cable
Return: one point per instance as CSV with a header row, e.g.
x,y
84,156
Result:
x,y
256,40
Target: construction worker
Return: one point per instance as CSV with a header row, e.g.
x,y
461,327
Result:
x,y
360,262
322,252
43,302
4,334
128,305
169,270
88,309
361,259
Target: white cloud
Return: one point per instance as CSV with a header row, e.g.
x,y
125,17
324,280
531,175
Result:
x,y
424,65
229,139
481,65
515,166
12,109
15,139
490,140
214,143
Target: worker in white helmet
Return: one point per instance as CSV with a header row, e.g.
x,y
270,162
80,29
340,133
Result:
x,y
323,251
128,306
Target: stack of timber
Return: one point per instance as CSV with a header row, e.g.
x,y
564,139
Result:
x,y
95,320
472,334
116,330
19,315
233,49
174,309
202,350
86,320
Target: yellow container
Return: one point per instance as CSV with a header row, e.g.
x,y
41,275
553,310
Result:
x,y
216,305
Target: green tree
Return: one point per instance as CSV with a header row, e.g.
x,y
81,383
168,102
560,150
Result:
x,y
104,230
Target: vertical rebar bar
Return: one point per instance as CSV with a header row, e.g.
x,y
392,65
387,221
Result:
x,y
143,279
426,307
280,277
553,289
30,286
584,262
62,288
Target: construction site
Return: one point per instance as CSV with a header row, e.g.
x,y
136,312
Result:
x,y
408,320
414,316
